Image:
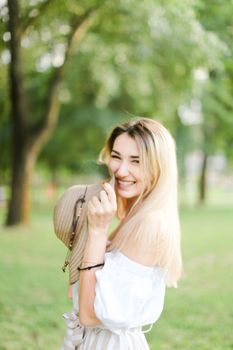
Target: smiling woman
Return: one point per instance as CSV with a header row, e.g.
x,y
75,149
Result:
x,y
123,276
124,165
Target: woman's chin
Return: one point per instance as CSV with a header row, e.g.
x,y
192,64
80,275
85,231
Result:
x,y
127,194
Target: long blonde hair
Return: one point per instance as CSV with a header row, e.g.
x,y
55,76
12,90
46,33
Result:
x,y
153,220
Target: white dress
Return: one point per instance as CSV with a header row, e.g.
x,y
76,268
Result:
x,y
128,296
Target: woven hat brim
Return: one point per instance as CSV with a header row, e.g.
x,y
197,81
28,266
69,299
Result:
x,y
63,216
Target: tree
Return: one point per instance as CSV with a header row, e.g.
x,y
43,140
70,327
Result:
x,y
79,138
29,136
216,92
139,57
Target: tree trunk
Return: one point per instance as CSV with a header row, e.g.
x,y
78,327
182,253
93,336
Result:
x,y
19,205
202,180
28,138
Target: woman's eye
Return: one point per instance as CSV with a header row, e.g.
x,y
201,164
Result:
x,y
114,156
135,161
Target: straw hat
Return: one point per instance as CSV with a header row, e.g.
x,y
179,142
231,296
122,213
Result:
x,y
70,224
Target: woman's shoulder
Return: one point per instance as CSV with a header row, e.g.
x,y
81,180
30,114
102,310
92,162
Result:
x,y
140,253
128,263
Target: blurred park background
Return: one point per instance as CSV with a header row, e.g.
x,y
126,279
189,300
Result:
x,y
69,71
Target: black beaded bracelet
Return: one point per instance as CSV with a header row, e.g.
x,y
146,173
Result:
x,y
89,267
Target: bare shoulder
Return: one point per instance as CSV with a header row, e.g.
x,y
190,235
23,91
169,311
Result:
x,y
141,254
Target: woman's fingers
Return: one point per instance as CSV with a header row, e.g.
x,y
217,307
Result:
x,y
101,209
104,200
96,203
91,207
111,195
100,205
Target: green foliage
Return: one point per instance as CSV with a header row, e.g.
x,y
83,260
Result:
x,y
136,58
76,144
217,93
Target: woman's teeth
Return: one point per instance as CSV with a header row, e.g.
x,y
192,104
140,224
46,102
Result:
x,y
124,183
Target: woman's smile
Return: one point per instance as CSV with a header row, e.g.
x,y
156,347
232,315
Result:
x,y
124,184
124,164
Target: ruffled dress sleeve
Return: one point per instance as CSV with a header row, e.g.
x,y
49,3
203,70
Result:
x,y
128,294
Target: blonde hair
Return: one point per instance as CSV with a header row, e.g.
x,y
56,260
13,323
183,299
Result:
x,y
153,220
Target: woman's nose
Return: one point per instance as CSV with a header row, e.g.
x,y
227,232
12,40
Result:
x,y
122,170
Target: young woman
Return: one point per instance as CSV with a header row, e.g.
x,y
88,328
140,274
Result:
x,y
126,290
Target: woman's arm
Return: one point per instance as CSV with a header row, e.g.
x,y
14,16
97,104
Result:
x,y
94,254
100,213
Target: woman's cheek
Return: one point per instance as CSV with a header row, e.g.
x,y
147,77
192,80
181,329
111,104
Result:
x,y
112,165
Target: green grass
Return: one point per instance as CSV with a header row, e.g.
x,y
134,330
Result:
x,y
197,316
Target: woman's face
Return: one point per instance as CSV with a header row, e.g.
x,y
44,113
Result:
x,y
124,164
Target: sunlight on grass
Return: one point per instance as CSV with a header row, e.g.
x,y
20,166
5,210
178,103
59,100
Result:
x,y
197,316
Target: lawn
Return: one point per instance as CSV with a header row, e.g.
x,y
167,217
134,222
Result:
x,y
197,316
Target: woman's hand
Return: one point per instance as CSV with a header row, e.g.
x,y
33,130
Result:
x,y
101,210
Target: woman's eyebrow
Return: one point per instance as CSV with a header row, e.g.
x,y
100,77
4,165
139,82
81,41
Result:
x,y
118,153
115,152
